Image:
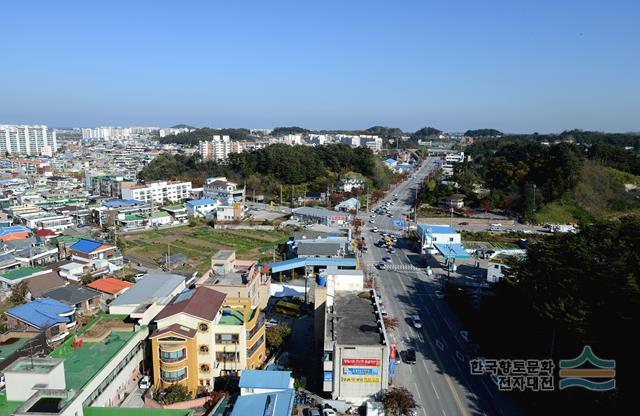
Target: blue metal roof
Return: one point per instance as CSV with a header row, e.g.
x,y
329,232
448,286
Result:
x,y
278,403
122,203
263,379
436,229
281,266
14,229
41,313
86,246
200,202
452,251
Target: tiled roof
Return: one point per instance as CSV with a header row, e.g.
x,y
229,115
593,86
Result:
x,y
109,285
201,302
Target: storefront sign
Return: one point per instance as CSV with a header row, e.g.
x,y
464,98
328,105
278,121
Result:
x,y
360,362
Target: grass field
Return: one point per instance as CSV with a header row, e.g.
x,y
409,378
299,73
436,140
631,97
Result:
x,y
198,243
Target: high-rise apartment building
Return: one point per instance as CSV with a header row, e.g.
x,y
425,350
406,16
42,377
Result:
x,y
28,140
218,148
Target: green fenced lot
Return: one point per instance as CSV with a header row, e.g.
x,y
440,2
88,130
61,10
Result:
x,y
198,243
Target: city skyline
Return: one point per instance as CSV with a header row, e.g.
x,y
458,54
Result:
x,y
542,67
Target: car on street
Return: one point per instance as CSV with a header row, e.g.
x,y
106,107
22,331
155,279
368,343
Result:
x,y
410,356
416,321
386,258
392,250
465,336
372,221
374,229
312,411
382,266
439,294
329,412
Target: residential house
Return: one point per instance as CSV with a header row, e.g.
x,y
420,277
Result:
x,y
110,288
104,257
147,296
10,278
455,201
38,285
85,301
349,183
202,335
200,207
51,316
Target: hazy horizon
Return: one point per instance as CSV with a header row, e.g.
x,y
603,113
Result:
x,y
545,66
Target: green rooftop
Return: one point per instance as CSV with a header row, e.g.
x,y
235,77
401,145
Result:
x,y
8,348
82,364
159,214
133,218
6,407
174,207
126,411
231,317
21,273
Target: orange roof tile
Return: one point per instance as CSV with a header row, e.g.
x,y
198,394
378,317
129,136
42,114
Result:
x,y
109,285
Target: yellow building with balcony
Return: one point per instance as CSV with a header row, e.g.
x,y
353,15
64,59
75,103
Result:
x,y
202,334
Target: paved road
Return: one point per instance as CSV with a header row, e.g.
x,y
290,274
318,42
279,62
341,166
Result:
x,y
440,379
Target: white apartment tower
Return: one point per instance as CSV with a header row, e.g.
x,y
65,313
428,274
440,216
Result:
x,y
218,148
28,140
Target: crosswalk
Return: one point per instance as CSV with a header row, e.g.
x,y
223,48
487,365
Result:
x,y
401,268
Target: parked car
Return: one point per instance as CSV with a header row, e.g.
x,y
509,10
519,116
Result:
x,y
329,412
144,383
416,321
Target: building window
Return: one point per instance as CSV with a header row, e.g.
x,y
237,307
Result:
x,y
228,357
173,356
204,368
227,339
173,376
204,349
203,327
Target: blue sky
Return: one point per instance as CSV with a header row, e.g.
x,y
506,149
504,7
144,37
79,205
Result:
x,y
519,66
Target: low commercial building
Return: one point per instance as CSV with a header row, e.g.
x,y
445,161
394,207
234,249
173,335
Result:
x,y
201,207
309,215
350,328
431,234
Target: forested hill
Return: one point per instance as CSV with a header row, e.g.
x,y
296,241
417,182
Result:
x,y
546,182
265,169
192,138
